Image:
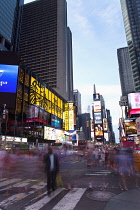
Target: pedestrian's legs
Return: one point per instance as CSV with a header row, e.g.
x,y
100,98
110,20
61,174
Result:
x,y
53,179
49,182
124,181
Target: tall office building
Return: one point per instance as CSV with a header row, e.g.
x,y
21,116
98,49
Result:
x,y
10,21
69,66
77,100
131,13
45,45
125,71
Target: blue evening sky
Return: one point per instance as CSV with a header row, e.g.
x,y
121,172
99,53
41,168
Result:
x,y
97,32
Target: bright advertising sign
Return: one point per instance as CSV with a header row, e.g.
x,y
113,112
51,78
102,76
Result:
x,y
130,128
69,117
97,118
138,125
98,130
49,133
105,124
8,78
43,97
92,125
134,100
53,134
97,106
96,97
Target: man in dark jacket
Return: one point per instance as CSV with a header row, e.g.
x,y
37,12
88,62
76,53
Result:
x,y
51,169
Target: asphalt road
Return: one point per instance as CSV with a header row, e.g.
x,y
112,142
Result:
x,y
23,186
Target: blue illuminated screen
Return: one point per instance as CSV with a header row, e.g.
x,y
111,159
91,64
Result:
x,y
8,78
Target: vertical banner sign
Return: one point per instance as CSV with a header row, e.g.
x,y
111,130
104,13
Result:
x,y
66,116
71,117
138,126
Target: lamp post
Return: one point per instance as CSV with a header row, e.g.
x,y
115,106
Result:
x,y
5,117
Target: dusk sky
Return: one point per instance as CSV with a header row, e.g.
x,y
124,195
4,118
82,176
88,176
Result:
x,y
97,32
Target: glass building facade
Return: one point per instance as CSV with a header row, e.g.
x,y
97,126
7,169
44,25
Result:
x,y
125,71
46,44
131,14
10,18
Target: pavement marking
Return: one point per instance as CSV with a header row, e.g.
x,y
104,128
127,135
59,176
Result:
x,y
9,181
99,173
3,179
19,196
14,198
69,201
22,184
39,204
95,174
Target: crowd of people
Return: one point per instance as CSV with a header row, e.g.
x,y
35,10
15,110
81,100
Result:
x,y
125,162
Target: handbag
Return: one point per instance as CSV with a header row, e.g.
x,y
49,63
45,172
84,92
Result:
x,y
59,181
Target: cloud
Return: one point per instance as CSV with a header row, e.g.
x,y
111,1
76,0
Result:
x,y
110,15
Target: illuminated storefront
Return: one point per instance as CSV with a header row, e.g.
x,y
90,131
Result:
x,y
69,117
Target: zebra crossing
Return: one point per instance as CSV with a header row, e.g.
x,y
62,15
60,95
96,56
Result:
x,y
99,173
18,194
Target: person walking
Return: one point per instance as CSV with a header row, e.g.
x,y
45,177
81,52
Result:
x,y
51,169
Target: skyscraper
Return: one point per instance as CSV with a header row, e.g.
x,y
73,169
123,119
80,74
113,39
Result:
x,y
77,100
131,13
10,20
125,71
45,45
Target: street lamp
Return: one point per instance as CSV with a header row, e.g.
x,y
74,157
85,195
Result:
x,y
5,117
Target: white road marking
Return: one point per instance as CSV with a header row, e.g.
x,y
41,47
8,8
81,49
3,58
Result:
x,y
3,179
19,196
9,181
69,201
96,174
99,173
22,184
39,204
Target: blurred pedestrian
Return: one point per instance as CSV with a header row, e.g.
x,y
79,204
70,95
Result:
x,y
124,166
51,169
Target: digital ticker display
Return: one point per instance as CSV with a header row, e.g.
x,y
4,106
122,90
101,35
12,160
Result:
x,y
8,78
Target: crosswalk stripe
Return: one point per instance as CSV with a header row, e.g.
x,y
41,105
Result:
x,y
39,204
98,173
9,181
14,198
17,197
3,179
69,201
22,184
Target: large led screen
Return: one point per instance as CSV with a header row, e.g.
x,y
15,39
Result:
x,y
98,130
97,106
98,118
8,78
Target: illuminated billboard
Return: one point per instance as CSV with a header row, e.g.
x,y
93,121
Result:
x,y
98,130
43,97
130,128
69,116
55,121
97,118
8,78
134,103
105,124
96,97
138,125
97,106
49,133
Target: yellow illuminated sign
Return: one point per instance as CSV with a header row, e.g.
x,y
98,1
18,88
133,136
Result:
x,y
69,117
46,99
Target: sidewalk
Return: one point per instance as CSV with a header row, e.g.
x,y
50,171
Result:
x,y
128,200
